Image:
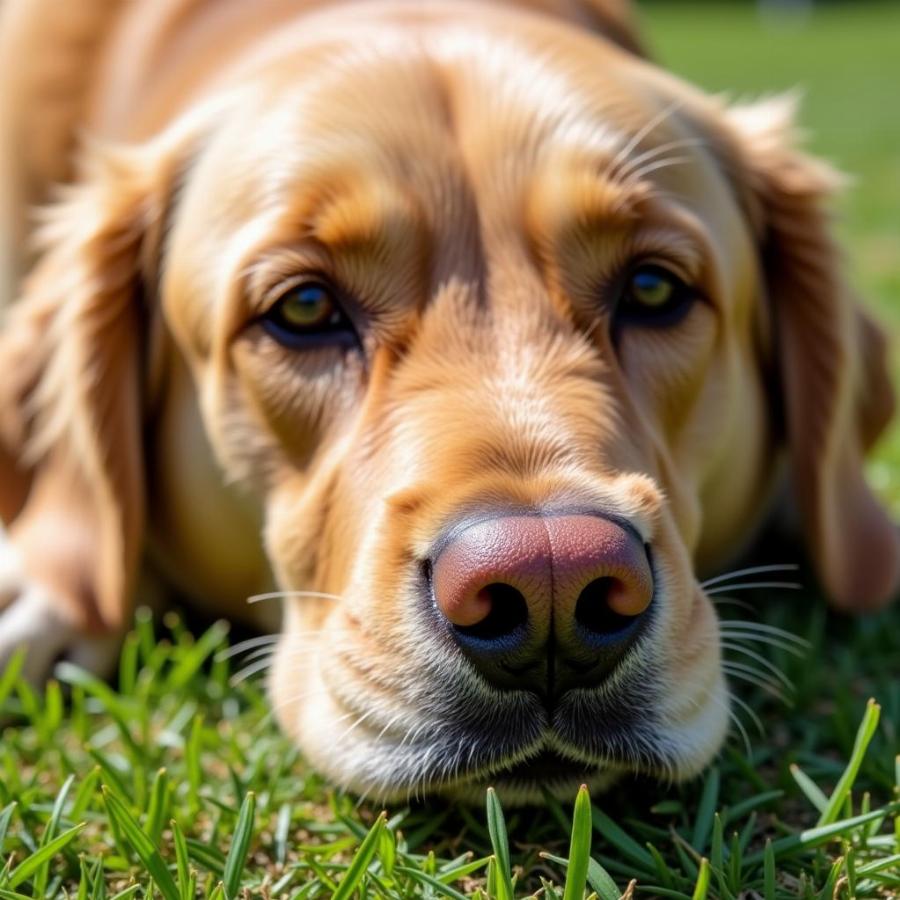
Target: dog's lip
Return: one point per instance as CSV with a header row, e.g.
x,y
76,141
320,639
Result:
x,y
544,768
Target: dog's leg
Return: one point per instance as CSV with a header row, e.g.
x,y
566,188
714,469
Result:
x,y
33,618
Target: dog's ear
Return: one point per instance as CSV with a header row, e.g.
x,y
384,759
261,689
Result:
x,y
836,393
71,354
616,19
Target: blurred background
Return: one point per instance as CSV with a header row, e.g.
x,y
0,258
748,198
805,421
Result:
x,y
844,56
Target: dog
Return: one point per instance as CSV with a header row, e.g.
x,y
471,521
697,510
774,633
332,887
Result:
x,y
461,327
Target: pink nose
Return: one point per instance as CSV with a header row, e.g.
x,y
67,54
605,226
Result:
x,y
526,581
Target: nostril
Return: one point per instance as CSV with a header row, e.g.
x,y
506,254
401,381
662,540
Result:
x,y
595,611
508,610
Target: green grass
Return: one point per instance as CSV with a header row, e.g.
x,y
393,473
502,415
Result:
x,y
173,783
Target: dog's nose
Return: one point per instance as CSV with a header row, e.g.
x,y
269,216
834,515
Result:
x,y
534,600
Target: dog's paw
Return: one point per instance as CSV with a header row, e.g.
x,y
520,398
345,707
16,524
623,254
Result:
x,y
31,617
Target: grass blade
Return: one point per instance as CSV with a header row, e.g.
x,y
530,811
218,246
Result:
x,y
769,871
579,847
827,892
159,806
445,876
429,881
191,661
211,858
356,871
282,833
141,844
702,887
879,865
40,878
810,789
85,792
29,866
500,842
601,882
706,810
182,860
9,678
5,817
863,737
624,843
240,844
812,837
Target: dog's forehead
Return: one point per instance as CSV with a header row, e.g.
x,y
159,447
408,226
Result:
x,y
440,139
418,104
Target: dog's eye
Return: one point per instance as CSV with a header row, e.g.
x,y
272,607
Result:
x,y
653,296
308,314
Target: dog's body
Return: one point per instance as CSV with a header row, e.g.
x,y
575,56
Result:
x,y
461,187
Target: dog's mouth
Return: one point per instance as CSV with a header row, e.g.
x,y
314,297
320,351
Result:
x,y
531,780
547,768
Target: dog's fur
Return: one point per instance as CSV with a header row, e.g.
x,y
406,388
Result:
x,y
476,176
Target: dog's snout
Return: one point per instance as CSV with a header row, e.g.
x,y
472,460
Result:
x,y
540,599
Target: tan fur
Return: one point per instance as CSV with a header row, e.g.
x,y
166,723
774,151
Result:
x,y
476,176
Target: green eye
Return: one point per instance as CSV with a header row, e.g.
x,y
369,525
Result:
x,y
655,296
308,314
306,306
652,287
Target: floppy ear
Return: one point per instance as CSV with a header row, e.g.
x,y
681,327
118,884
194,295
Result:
x,y
837,396
616,19
71,461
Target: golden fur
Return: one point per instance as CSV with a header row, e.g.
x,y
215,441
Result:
x,y
475,175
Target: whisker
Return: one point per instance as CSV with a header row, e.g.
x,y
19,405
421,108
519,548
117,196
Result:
x,y
344,717
736,721
298,698
748,709
249,644
751,676
744,625
742,730
638,174
390,722
754,638
733,601
746,651
753,570
316,632
283,595
249,671
358,722
753,585
635,140
269,650
260,653
648,155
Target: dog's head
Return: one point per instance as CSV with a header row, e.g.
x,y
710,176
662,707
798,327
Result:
x,y
510,333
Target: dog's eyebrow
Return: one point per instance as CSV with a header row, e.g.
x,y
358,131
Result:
x,y
368,216
578,196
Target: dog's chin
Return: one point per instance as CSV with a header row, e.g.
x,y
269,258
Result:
x,y
529,781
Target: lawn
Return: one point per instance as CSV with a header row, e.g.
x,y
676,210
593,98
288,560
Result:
x,y
174,782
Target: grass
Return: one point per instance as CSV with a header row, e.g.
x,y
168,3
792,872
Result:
x,y
172,782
